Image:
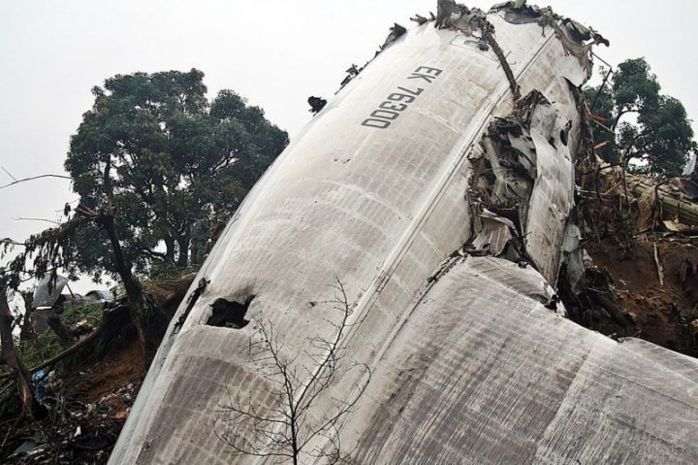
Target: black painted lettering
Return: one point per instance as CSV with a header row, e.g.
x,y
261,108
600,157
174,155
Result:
x,y
385,114
427,77
392,106
401,98
428,70
375,123
413,92
398,102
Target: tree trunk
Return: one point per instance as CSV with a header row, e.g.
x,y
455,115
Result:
x,y
27,332
65,336
183,258
170,248
616,120
9,357
134,290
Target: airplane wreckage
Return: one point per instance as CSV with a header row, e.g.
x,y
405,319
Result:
x,y
386,292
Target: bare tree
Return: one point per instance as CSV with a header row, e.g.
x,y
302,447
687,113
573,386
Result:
x,y
284,425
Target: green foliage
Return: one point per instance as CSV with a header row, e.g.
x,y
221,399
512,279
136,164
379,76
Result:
x,y
658,138
166,161
635,88
41,254
167,271
46,345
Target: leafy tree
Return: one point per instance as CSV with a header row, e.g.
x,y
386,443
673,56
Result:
x,y
153,162
168,163
658,138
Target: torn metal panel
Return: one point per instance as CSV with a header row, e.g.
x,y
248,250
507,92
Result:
x,y
575,37
48,290
529,156
372,192
573,257
494,234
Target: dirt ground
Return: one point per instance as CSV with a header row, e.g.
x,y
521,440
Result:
x,y
87,402
663,313
87,409
118,369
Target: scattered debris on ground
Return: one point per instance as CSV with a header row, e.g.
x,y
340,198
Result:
x,y
638,259
88,395
625,297
86,412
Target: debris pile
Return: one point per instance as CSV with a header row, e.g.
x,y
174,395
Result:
x,y
75,431
85,409
640,257
518,153
86,391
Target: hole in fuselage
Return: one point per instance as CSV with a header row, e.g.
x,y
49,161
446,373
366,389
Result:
x,y
229,314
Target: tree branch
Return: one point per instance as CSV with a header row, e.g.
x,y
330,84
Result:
x,y
286,428
18,181
8,173
8,241
21,218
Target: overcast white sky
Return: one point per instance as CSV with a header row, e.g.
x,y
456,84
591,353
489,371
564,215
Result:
x,y
274,53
